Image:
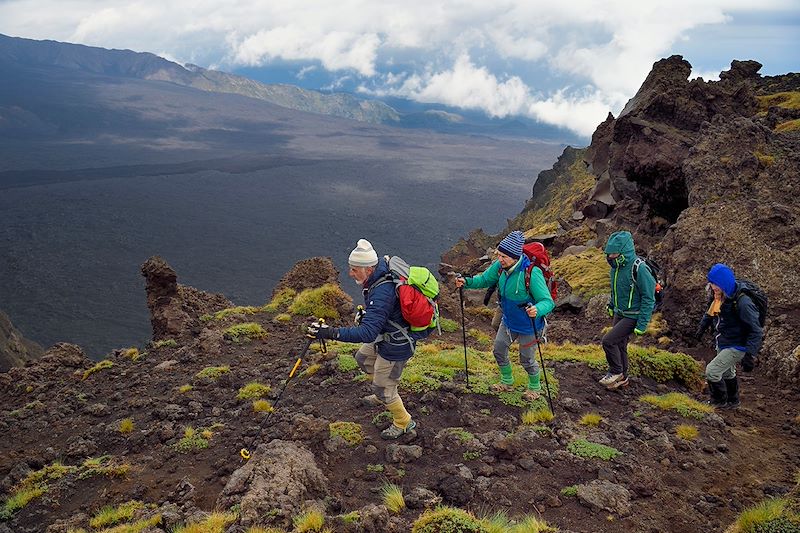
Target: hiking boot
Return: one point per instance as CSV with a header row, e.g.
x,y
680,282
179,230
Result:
x,y
619,384
531,395
719,393
610,378
501,387
394,432
732,388
371,401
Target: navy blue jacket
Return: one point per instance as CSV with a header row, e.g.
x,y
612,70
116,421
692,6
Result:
x,y
736,325
381,308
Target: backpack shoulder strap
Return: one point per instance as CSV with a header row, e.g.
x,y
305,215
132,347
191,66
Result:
x,y
528,272
636,264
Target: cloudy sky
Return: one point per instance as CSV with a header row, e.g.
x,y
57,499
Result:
x,y
562,63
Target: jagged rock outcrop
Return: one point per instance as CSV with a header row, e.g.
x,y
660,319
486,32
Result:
x,y
308,274
56,360
175,308
15,349
280,480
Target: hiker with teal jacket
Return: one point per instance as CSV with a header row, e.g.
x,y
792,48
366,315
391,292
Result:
x,y
632,301
520,305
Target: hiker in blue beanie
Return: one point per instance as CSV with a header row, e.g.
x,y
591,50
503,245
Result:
x,y
508,273
736,321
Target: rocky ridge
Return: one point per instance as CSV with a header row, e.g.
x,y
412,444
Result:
x,y
15,349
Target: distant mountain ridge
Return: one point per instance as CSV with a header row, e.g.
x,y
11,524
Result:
x,y
147,66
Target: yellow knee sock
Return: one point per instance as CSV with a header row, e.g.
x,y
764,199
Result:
x,y
399,413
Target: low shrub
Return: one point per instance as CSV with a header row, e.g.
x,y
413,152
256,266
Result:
x,y
322,302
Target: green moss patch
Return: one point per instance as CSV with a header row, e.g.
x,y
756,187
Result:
x,y
102,365
349,431
166,343
322,302
586,272
239,311
346,363
282,299
448,520
241,333
212,372
447,325
592,450
683,404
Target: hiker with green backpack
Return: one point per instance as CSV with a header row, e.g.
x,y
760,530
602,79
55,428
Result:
x,y
395,316
524,306
633,297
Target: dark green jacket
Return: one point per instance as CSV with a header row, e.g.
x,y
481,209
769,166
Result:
x,y
629,298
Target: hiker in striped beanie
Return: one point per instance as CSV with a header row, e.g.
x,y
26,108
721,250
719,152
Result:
x,y
508,274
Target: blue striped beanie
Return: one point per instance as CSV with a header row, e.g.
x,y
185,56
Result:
x,y
511,245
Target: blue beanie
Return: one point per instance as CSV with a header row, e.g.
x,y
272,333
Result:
x,y
722,276
511,245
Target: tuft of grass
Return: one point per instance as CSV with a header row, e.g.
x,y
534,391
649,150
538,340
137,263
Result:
x,y
351,518
166,343
253,390
537,416
586,272
20,499
471,456
350,431
102,365
126,426
212,372
240,311
280,301
657,326
480,337
112,515
789,125
213,523
570,491
242,333
193,440
557,199
310,370
346,363
447,325
787,100
262,406
311,520
283,317
659,365
393,498
183,389
375,468
136,527
686,431
435,363
322,302
591,419
500,523
446,519
684,405
766,160
485,312
463,435
592,450
772,512
132,353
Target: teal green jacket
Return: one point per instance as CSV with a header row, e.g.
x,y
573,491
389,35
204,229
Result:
x,y
511,288
628,298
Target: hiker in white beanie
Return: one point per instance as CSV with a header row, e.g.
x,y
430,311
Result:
x,y
363,255
386,347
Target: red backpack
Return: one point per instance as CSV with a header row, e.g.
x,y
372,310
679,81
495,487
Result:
x,y
536,252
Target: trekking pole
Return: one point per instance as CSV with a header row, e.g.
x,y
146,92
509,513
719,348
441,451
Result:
x,y
244,452
541,359
464,331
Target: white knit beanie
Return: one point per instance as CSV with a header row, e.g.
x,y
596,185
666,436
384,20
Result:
x,y
363,255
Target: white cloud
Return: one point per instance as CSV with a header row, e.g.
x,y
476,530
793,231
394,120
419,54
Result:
x,y
496,56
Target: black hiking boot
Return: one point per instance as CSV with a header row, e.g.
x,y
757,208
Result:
x,y
732,388
719,393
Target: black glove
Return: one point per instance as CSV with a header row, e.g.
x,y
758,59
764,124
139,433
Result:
x,y
321,331
748,363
